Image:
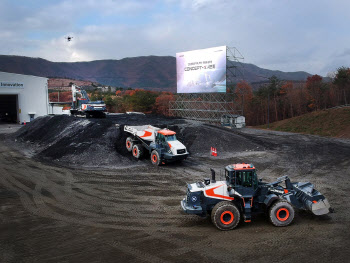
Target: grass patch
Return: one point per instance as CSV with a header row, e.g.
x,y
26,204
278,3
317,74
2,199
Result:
x,y
331,123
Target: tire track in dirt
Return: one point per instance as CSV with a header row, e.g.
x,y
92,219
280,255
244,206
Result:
x,y
143,207
84,205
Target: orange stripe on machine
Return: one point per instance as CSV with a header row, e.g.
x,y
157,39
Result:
x,y
166,132
211,193
147,134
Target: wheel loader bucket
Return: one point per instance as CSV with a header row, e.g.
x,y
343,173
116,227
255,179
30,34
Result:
x,y
321,207
311,199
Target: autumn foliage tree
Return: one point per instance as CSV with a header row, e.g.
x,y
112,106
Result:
x,y
315,90
286,99
60,96
163,102
243,97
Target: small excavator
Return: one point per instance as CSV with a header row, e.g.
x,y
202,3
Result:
x,y
83,106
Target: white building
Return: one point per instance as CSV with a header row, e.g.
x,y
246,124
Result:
x,y
22,97
233,121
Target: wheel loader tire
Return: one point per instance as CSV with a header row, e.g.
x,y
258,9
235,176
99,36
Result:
x,y
129,144
155,158
225,215
137,151
281,213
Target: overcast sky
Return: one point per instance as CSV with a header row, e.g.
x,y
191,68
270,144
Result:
x,y
288,35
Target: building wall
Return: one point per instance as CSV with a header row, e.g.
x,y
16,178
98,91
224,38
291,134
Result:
x,y
31,91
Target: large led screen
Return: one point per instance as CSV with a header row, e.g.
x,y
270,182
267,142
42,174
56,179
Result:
x,y
201,71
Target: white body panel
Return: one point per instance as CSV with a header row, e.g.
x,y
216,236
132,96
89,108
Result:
x,y
239,122
146,132
58,110
74,92
176,145
217,190
95,106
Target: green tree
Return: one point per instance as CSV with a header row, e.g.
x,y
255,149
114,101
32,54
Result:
x,y
143,100
273,91
342,80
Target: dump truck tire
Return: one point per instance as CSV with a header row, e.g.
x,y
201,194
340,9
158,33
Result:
x,y
225,216
281,213
137,151
155,159
129,144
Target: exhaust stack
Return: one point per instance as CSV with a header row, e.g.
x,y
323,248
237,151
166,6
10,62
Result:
x,y
212,176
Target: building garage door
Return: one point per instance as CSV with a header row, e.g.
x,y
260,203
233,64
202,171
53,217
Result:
x,y
8,109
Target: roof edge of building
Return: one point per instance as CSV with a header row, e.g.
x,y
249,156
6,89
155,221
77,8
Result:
x,y
24,75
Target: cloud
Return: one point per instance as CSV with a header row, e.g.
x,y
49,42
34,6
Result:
x,y
344,53
284,35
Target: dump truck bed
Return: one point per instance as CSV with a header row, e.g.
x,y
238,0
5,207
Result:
x,y
145,132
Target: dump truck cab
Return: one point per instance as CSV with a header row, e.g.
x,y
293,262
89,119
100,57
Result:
x,y
165,136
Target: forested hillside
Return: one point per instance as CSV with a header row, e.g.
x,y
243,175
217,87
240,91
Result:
x,y
279,100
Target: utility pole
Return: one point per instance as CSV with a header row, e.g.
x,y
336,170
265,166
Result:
x,y
268,110
243,104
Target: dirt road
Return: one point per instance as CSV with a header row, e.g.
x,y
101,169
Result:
x,y
58,214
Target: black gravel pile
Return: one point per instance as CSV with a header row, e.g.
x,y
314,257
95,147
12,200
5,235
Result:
x,y
72,140
200,139
100,142
86,142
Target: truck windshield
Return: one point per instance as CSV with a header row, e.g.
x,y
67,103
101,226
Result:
x,y
170,138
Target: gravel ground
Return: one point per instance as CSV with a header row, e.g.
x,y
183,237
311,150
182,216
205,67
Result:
x,y
127,211
97,143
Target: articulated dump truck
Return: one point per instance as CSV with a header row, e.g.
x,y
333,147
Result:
x,y
162,144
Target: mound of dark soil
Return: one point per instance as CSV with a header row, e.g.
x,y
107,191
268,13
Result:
x,y
200,138
87,142
100,142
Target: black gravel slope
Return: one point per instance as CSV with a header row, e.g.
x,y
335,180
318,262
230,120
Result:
x,y
99,142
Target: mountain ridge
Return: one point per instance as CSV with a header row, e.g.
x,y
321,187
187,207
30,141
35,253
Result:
x,y
148,72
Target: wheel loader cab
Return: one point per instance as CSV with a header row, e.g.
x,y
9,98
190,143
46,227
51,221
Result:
x,y
243,178
247,178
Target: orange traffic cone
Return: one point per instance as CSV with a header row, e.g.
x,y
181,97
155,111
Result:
x,y
215,152
24,123
212,151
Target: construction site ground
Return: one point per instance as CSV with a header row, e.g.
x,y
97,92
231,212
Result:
x,y
70,192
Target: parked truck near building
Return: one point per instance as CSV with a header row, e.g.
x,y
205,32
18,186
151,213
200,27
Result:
x,y
162,144
83,106
242,194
